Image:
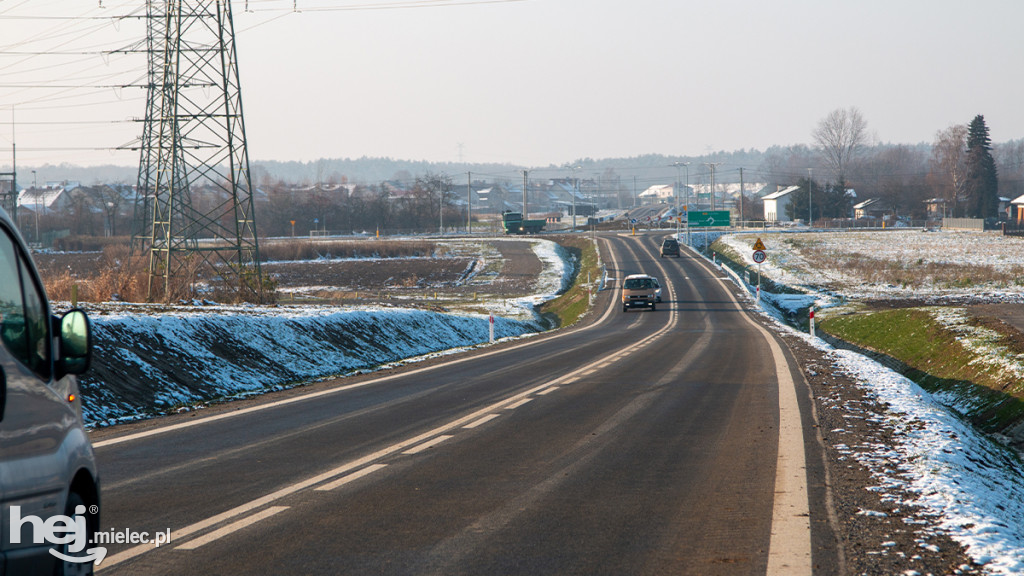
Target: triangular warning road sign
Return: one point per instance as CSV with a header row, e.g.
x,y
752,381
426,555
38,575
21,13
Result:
x,y
759,245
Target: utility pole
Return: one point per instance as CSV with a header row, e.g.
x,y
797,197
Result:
x,y
525,172
575,192
712,166
741,197
469,202
679,216
810,188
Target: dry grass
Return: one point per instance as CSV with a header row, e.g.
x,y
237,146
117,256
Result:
x,y
364,248
119,278
912,273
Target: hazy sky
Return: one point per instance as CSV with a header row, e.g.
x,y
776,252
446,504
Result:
x,y
532,82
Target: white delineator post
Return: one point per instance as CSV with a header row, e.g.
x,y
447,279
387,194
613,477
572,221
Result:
x,y
812,320
490,322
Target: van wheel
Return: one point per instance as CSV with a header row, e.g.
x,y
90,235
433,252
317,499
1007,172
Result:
x,y
653,307
65,568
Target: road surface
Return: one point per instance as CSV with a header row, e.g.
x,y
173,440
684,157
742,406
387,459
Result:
x,y
642,443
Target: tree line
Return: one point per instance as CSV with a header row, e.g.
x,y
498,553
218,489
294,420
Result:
x,y
960,171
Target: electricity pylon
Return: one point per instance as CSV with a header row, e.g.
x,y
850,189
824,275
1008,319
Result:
x,y
194,204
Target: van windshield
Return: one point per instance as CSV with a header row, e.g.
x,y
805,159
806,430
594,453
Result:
x,y
638,283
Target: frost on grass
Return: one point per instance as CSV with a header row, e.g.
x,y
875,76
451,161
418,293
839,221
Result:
x,y
154,359
967,484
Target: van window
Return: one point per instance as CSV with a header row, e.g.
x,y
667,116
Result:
x,y
24,329
638,283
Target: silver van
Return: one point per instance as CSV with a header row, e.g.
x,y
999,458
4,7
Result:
x,y
47,467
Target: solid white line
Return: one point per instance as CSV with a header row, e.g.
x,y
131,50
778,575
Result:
x,y
233,527
369,458
518,404
313,395
351,477
789,547
789,550
481,421
430,444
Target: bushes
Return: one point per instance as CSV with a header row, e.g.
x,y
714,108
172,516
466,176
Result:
x,y
119,277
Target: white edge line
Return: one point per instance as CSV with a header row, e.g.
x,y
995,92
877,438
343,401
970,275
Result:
x,y
233,527
313,395
789,546
287,490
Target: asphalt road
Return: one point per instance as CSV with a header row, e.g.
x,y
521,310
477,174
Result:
x,y
643,443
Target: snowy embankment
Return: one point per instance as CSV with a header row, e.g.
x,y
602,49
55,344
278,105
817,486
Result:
x,y
971,484
151,360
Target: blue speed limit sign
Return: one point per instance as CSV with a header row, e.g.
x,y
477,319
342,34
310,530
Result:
x,y
759,256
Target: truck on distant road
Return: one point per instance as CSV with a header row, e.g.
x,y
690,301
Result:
x,y
514,223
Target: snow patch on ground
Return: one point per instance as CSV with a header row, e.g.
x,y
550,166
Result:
x,y
154,358
971,484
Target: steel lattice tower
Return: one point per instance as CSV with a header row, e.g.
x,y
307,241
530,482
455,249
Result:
x,y
194,205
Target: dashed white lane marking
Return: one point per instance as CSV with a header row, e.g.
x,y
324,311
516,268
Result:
x,y
514,400
428,444
547,391
481,421
351,477
517,404
233,527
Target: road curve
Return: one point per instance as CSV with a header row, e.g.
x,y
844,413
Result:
x,y
678,441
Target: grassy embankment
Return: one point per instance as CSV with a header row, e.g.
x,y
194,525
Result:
x,y
937,358
929,353
571,305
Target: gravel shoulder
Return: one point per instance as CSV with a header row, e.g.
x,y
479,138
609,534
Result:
x,y
879,531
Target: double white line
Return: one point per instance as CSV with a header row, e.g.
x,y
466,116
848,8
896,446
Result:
x,y
368,464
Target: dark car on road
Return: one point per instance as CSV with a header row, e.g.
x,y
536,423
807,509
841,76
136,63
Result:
x,y
670,247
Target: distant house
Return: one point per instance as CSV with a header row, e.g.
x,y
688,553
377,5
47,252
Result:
x,y
775,204
46,200
1005,210
657,193
936,207
1016,209
870,208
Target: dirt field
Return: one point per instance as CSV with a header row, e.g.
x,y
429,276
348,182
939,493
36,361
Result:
x,y
499,268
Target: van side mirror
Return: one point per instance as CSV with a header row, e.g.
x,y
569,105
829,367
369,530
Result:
x,y
75,343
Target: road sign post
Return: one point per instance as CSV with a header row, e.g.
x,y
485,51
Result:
x,y
760,255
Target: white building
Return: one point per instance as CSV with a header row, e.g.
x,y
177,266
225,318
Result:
x,y
775,204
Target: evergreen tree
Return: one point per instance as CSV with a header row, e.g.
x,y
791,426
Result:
x,y
798,203
835,203
982,182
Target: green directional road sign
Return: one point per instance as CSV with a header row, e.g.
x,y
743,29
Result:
x,y
712,218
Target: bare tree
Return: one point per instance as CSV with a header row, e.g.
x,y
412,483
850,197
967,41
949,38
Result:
x,y
110,200
841,135
949,163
